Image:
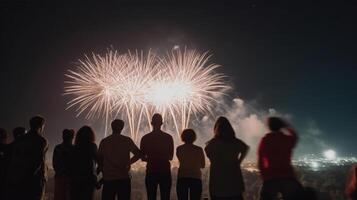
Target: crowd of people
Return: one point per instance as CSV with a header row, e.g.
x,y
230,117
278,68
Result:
x,y
78,162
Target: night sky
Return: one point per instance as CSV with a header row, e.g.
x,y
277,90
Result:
x,y
298,58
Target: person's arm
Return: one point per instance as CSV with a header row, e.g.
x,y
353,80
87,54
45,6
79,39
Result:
x,y
208,151
100,157
143,150
260,156
95,159
244,152
293,135
178,153
55,159
40,157
136,152
202,158
171,149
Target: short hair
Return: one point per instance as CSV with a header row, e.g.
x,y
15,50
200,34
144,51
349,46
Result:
x,y
275,123
156,119
3,135
67,134
117,125
85,135
37,122
188,136
18,132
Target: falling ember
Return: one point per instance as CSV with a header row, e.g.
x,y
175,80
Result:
x,y
137,84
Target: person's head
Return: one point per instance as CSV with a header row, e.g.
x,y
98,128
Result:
x,y
188,136
85,135
18,132
223,129
37,123
68,135
3,136
275,124
117,125
156,121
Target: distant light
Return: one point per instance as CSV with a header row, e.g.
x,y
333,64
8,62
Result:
x,y
330,154
315,165
176,47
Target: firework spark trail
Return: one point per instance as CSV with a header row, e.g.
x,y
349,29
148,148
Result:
x,y
93,84
190,83
143,69
138,84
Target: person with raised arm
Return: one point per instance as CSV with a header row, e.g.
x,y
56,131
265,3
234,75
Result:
x,y
274,161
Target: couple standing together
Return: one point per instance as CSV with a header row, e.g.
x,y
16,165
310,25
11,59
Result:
x,y
224,150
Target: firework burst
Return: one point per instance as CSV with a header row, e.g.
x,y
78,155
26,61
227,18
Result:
x,y
189,85
178,85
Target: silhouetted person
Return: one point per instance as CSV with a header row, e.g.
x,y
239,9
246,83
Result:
x,y
62,164
274,161
192,159
226,153
28,169
351,186
84,178
309,194
158,149
18,132
4,161
114,161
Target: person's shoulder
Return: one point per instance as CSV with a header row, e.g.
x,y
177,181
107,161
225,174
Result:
x,y
168,135
108,138
212,141
268,136
104,141
239,141
42,139
146,136
197,147
58,146
126,139
93,146
180,147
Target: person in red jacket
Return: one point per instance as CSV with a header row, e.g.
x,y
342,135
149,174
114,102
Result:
x,y
351,186
274,161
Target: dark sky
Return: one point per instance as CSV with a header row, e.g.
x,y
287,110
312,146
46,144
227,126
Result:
x,y
299,58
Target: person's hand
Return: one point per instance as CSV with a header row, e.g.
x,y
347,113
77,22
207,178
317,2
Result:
x,y
144,159
99,184
284,123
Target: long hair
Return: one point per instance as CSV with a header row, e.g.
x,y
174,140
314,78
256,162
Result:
x,y
85,135
223,129
351,185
